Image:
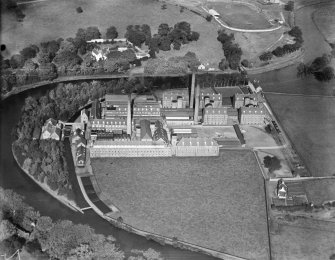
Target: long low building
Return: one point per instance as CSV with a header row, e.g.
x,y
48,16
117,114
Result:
x,y
129,149
196,147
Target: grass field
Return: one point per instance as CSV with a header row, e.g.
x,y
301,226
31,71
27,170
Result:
x,y
319,191
309,123
215,202
325,21
240,16
303,239
53,19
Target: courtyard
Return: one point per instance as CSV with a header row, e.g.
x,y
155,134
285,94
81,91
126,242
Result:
x,y
214,202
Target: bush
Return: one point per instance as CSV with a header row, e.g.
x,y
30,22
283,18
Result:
x,y
289,6
266,56
209,18
245,63
79,10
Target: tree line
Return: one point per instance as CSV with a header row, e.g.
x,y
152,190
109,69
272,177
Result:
x,y
280,51
22,227
72,56
232,51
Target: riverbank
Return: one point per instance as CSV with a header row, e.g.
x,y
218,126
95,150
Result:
x,y
65,201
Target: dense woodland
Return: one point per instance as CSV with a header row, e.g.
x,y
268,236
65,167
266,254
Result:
x,y
72,56
40,237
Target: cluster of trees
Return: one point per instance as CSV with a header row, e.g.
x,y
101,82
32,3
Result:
x,y
21,227
166,36
280,51
272,163
232,51
173,65
289,6
73,56
45,161
221,80
320,68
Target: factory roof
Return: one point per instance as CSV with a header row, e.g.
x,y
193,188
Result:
x,y
197,141
145,129
252,110
116,98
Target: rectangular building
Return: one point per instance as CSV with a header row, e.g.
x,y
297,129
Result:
x,y
109,125
215,116
196,147
252,115
175,98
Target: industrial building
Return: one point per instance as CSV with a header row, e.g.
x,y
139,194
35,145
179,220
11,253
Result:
x,y
115,106
146,106
208,96
246,100
196,147
252,115
175,98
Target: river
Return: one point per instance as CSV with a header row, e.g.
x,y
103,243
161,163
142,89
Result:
x,y
283,80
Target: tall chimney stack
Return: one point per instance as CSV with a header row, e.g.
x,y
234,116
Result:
x,y
129,116
192,90
196,108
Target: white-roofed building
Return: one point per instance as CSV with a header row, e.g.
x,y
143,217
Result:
x,y
196,146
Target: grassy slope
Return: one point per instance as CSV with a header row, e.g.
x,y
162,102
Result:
x,y
310,124
52,19
216,202
325,21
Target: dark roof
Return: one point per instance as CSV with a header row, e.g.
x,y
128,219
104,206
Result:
x,y
226,101
95,110
239,134
36,133
160,133
145,129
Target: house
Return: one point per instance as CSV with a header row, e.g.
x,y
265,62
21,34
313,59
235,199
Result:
x,y
175,98
252,115
213,13
282,190
100,54
84,116
146,134
51,130
198,146
201,67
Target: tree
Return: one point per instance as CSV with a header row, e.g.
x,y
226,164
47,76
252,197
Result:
x,y
320,62
29,52
245,63
163,29
272,163
289,6
302,70
111,33
194,36
209,18
295,32
16,61
147,31
47,71
223,65
164,43
326,74
135,35
265,56
67,59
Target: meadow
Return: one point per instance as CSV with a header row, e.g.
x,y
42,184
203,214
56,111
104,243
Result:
x,y
309,123
214,202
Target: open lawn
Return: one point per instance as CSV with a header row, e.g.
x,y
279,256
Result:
x,y
319,191
53,19
309,123
303,239
325,21
240,15
215,202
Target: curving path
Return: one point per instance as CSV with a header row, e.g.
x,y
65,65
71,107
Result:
x,y
238,29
